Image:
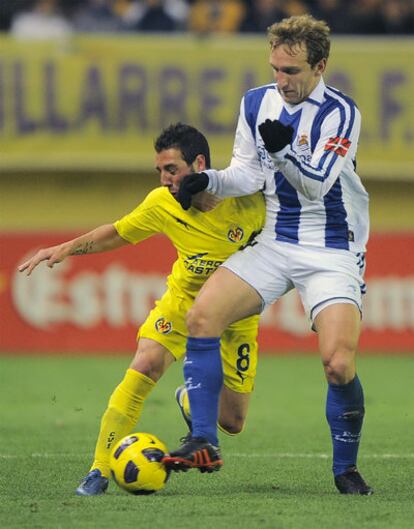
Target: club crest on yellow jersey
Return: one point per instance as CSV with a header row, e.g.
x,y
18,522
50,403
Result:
x,y
235,234
163,326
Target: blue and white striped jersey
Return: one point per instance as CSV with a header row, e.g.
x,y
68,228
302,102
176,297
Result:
x,y
313,194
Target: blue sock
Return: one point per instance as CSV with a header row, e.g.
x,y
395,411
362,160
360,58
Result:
x,y
345,414
203,373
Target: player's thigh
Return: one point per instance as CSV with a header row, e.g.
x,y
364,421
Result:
x,y
164,333
330,285
265,268
223,299
323,278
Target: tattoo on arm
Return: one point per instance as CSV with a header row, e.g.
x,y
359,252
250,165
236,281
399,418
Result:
x,y
86,247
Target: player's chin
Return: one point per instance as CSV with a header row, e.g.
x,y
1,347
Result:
x,y
291,97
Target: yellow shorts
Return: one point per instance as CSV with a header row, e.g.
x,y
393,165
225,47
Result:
x,y
166,325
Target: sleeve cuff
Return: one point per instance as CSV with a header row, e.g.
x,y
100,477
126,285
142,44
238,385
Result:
x,y
279,155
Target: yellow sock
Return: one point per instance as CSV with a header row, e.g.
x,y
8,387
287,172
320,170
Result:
x,y
121,415
185,402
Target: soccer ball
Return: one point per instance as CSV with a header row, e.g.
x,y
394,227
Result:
x,y
136,465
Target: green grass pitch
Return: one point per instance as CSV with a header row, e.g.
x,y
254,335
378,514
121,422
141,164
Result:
x,y
276,473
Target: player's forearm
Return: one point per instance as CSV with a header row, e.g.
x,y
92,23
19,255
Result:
x,y
101,239
98,240
310,178
311,187
235,181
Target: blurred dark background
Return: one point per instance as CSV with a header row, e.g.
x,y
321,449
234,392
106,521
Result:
x,y
368,17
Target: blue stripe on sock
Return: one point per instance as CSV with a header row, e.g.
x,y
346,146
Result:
x,y
345,414
203,373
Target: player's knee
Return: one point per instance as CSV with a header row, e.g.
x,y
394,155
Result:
x,y
199,322
150,365
340,366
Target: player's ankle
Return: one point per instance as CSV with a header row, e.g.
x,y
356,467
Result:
x,y
103,469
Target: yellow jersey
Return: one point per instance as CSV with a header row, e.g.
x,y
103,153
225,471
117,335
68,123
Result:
x,y
203,240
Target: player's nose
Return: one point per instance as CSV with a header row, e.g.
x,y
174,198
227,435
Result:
x,y
165,178
282,79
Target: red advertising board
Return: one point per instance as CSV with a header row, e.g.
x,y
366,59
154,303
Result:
x,y
95,303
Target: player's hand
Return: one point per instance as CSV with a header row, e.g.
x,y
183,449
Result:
x,y
190,185
275,135
53,255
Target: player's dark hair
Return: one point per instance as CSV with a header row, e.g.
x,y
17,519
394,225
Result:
x,y
302,29
190,141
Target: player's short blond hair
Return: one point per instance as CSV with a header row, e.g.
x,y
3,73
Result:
x,y
299,30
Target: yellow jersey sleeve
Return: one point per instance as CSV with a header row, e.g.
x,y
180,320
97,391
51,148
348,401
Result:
x,y
145,220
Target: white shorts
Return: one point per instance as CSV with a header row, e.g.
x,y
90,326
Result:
x,y
322,276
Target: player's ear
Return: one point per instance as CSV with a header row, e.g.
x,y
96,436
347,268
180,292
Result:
x,y
320,66
200,163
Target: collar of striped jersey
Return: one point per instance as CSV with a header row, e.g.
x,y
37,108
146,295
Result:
x,y
316,96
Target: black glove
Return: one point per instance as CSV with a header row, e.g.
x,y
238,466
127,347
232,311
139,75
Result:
x,y
275,135
190,185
